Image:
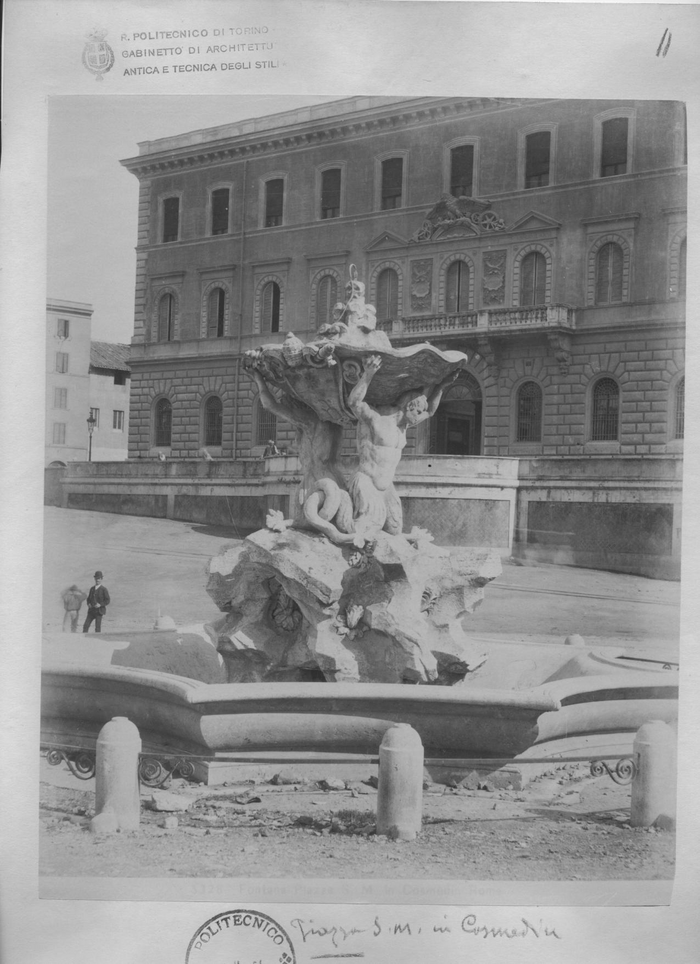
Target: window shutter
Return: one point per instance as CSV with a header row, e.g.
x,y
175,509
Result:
x,y
680,409
165,318
326,297
615,273
387,295
216,313
457,288
274,202
613,154
392,178
271,307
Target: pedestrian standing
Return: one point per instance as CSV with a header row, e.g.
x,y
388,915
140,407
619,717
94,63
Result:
x,y
97,601
73,599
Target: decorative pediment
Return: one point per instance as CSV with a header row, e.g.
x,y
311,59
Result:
x,y
465,215
533,221
386,240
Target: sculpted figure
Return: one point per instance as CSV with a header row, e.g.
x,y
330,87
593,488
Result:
x,y
381,438
322,496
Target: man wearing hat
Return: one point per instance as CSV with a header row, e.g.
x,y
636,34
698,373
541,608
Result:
x,y
97,601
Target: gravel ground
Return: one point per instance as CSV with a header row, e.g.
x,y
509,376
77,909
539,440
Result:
x,y
566,825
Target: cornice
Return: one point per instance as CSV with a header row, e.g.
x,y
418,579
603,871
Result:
x,y
310,134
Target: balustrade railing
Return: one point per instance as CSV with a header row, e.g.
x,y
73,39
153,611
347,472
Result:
x,y
492,319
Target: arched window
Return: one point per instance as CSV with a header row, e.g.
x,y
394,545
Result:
x,y
216,313
166,318
265,425
605,416
679,409
608,281
213,420
457,288
456,426
533,279
387,295
529,413
270,319
326,297
163,428
682,258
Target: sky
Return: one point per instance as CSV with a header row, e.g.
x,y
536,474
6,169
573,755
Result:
x,y
93,200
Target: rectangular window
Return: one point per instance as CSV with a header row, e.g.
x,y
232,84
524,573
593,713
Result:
x,y
59,433
219,210
330,193
274,202
61,361
118,420
60,398
171,219
95,415
462,170
537,152
120,378
392,179
63,327
613,154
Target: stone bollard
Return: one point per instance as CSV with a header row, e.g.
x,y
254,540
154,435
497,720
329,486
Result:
x,y
400,790
654,783
117,791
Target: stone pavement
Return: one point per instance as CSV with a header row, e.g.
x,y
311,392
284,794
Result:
x,y
157,567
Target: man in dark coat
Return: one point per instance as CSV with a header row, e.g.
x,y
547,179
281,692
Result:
x,y
97,602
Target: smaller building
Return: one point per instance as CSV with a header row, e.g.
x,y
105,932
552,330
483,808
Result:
x,y
83,378
68,327
109,400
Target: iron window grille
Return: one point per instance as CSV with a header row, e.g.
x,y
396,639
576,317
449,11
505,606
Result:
x,y
679,427
163,423
529,413
213,421
606,411
266,428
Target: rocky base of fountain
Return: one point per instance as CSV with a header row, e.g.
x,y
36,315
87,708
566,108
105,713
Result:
x,y
298,607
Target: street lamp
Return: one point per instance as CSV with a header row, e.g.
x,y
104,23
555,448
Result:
x,y
91,423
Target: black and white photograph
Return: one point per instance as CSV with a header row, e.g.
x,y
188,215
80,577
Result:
x,y
360,489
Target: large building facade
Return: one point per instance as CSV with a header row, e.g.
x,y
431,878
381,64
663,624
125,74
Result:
x,y
546,239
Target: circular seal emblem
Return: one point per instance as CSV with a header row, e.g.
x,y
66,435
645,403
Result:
x,y
240,937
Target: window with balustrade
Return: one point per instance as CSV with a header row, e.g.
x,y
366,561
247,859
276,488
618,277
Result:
x,y
387,295
605,411
457,284
528,413
533,279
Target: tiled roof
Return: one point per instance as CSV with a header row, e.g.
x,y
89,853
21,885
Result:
x,y
103,354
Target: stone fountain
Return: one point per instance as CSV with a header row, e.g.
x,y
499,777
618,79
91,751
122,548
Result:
x,y
338,592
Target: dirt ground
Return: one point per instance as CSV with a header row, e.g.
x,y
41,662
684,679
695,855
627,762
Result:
x,y
566,825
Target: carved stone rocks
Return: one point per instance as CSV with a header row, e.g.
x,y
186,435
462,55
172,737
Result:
x,y
297,607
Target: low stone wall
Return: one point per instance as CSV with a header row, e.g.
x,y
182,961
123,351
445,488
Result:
x,y
621,514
